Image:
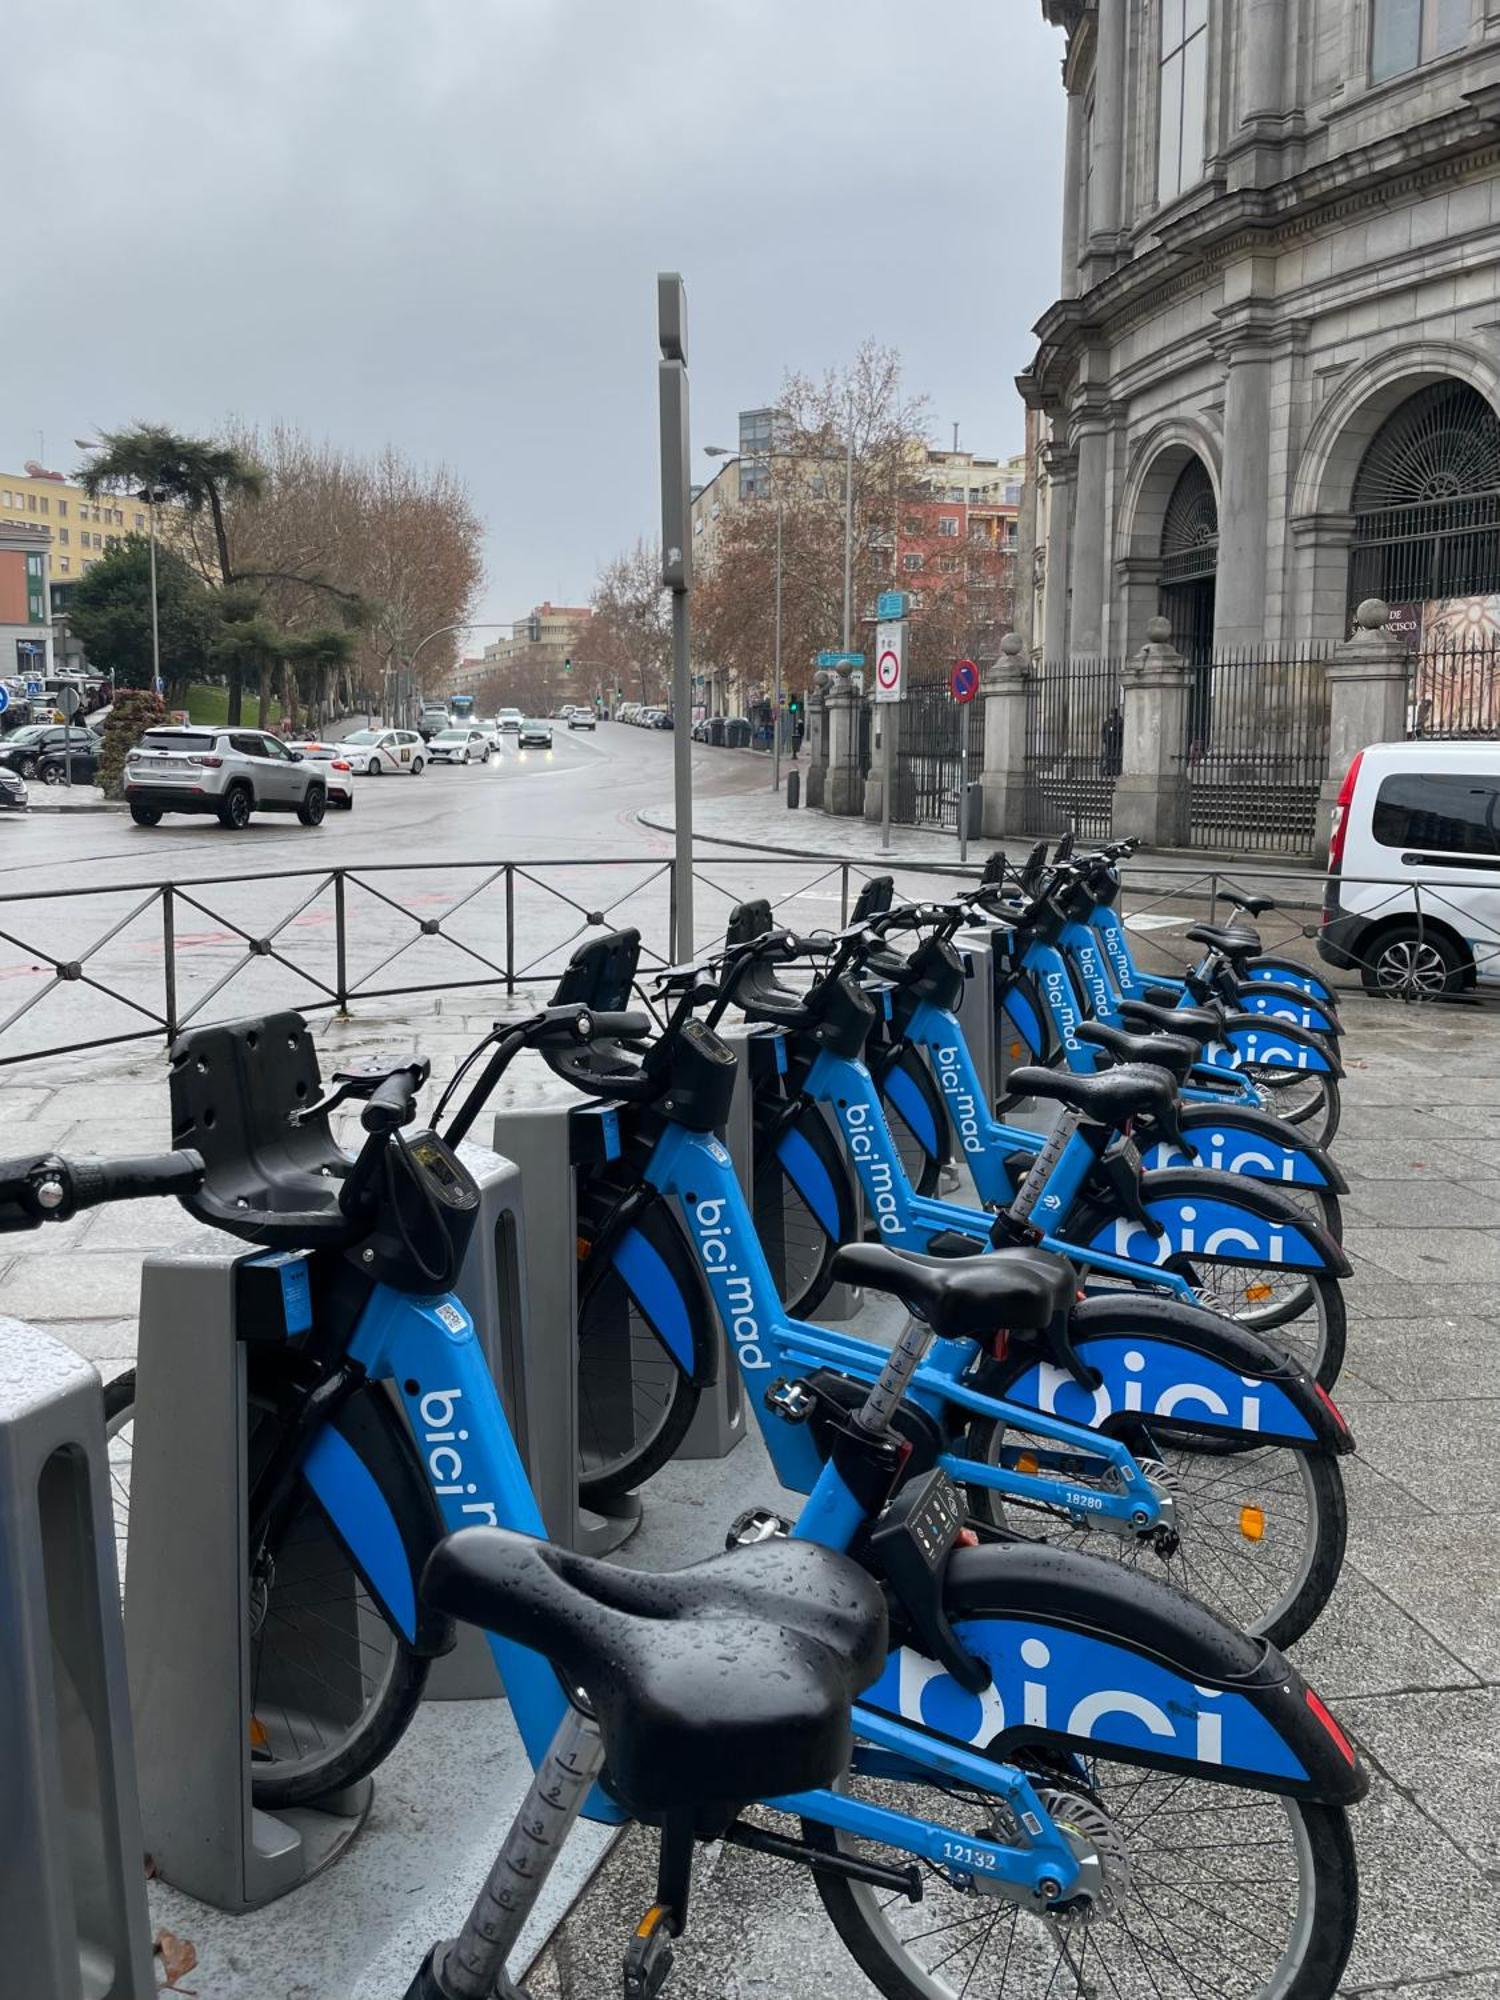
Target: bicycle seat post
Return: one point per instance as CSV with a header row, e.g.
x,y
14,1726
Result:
x,y
472,1965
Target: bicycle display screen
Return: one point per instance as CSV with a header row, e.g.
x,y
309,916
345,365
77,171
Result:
x,y
448,1179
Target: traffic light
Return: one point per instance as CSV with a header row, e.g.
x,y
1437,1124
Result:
x,y
567,666
796,704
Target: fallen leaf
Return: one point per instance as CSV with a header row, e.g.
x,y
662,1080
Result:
x,y
177,1955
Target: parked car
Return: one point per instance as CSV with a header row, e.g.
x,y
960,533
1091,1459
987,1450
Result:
x,y
335,762
467,744
662,718
54,768
627,711
229,772
13,795
431,722
22,751
1411,814
562,714
378,751
581,718
536,734
509,721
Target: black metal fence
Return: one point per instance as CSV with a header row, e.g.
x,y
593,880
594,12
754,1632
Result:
x,y
1256,749
928,777
1453,688
1075,741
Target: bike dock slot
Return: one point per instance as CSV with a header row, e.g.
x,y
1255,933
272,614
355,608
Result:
x,y
72,1858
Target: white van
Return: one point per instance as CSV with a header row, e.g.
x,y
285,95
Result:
x,y
1413,896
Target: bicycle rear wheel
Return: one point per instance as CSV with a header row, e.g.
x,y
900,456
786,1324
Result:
x,y
1205,1889
333,1688
804,1204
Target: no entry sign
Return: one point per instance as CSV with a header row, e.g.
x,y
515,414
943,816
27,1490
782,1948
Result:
x,y
890,662
964,680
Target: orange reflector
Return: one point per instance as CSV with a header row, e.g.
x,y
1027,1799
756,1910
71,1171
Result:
x,y
1257,1294
1016,1051
1253,1523
1026,1463
258,1737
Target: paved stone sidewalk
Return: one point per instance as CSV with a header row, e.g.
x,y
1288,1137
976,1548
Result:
x,y
1409,1651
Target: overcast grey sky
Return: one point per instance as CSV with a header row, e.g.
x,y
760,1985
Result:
x,y
438,222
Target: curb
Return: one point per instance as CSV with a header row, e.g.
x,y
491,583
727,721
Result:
x,y
91,806
660,824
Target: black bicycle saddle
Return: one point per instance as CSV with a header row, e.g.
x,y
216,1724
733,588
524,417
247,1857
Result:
x,y
1173,1053
1253,906
1201,1024
1111,1097
713,1686
965,1297
1234,940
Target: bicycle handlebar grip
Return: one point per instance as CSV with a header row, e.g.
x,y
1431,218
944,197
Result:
x,y
394,1101
93,1182
619,1027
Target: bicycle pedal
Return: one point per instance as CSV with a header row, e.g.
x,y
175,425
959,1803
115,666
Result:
x,y
648,1961
756,1524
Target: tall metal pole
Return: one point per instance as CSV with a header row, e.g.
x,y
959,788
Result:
x,y
776,712
963,781
849,535
676,576
155,625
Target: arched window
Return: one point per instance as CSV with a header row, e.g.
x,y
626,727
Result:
x,y
1427,501
1189,561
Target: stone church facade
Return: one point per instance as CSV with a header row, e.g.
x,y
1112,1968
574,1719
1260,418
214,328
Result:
x,y
1268,388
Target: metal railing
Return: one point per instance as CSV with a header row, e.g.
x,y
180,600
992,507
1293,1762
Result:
x,y
88,969
1454,689
1256,748
1075,739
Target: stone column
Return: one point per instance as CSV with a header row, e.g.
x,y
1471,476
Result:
x,y
1367,690
1151,793
844,788
1262,123
815,742
885,715
1089,568
1061,473
1072,194
1003,777
1244,504
1107,178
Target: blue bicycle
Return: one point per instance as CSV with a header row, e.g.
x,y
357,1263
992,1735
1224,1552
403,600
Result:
x,y
1127,1428
1048,1755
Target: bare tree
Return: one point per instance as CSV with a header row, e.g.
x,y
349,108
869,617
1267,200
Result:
x,y
630,635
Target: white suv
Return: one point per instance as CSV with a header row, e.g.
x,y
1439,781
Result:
x,y
229,772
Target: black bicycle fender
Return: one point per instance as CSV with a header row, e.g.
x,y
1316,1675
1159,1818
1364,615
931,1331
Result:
x,y
1248,1118
362,1469
1262,1199
1290,1031
1237,1348
1105,1661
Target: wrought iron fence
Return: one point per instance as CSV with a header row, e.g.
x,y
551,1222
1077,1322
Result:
x,y
1454,689
1075,741
89,969
1256,749
928,778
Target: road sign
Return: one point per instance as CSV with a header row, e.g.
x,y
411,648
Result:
x,y
4,698
68,702
841,659
964,680
891,604
890,661
33,689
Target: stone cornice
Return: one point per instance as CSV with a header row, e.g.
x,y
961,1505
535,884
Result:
x,y
1249,219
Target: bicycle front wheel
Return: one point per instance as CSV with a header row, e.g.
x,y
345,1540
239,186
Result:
x,y
1308,1099
1206,1890
333,1688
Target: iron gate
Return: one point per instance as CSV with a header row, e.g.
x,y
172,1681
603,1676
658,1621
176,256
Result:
x,y
1256,749
928,779
1075,741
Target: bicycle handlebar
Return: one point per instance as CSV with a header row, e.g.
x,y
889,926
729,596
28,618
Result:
x,y
47,1188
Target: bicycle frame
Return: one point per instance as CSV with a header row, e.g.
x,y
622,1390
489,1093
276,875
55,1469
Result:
x,y
429,1349
1114,937
984,1139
